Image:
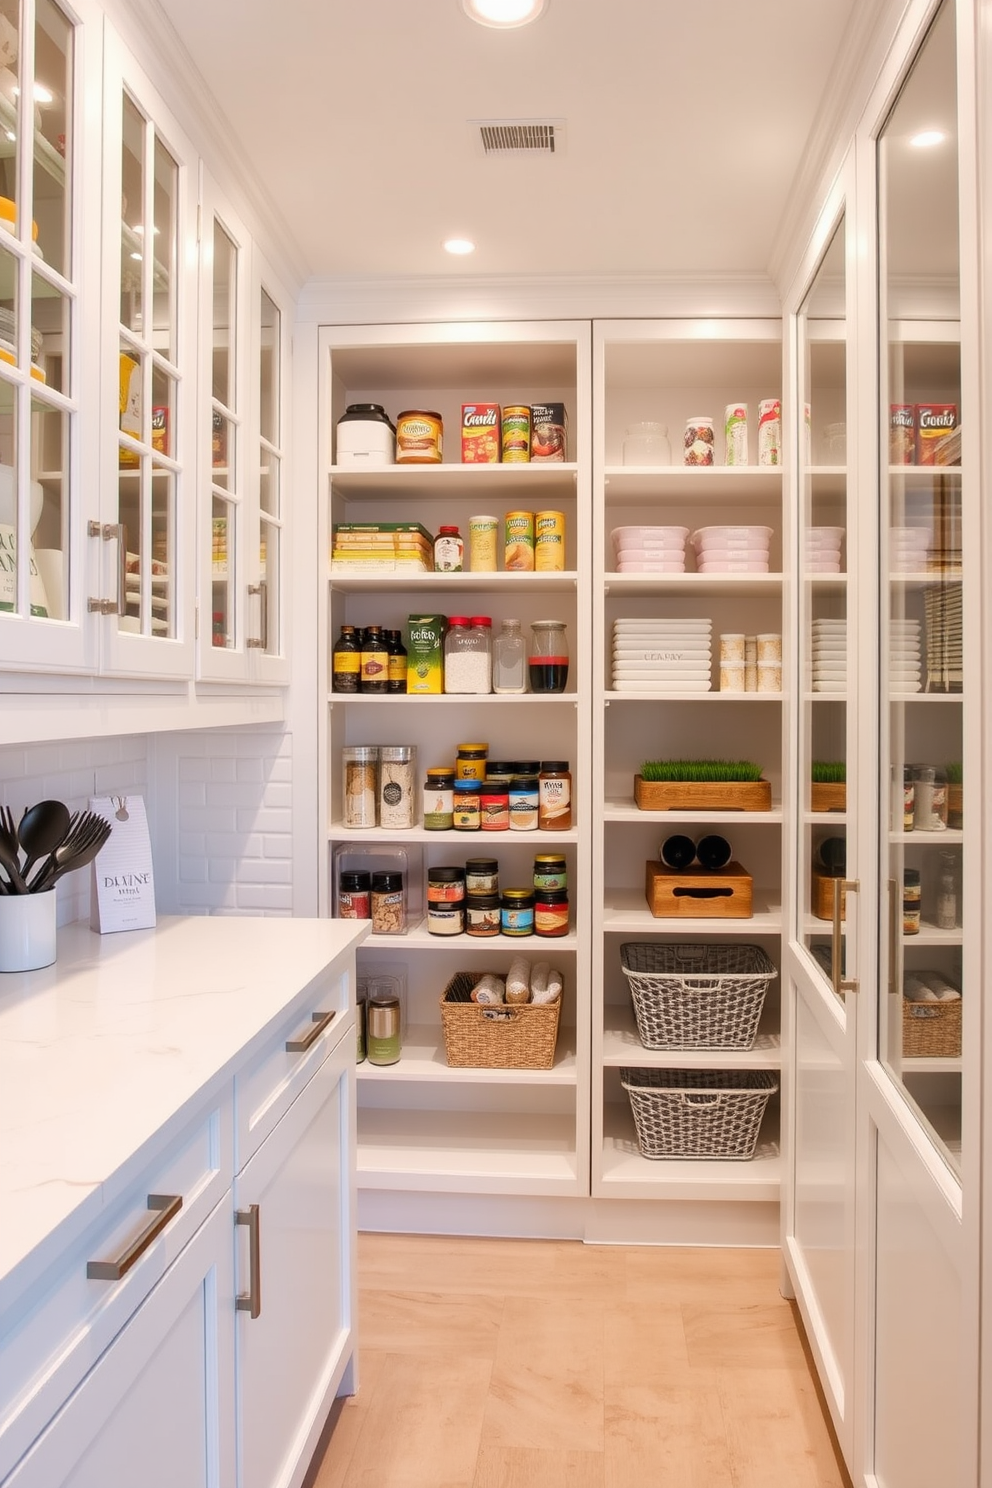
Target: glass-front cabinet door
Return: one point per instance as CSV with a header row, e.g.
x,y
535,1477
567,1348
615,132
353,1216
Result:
x,y
267,638
146,569
41,586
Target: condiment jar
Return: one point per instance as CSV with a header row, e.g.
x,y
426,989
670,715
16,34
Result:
x,y
388,904
517,912
482,876
466,812
359,763
470,762
494,807
550,871
482,914
449,550
548,661
523,803
382,1030
698,440
550,912
439,798
554,796
353,895
419,437
445,901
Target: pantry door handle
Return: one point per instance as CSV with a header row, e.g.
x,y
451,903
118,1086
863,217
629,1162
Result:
x,y
165,1205
320,1022
261,641
251,1301
842,886
893,936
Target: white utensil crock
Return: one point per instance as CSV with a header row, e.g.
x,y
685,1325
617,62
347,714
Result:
x,y
27,931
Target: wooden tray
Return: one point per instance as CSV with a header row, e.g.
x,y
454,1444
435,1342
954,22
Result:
x,y
822,897
828,795
702,795
696,892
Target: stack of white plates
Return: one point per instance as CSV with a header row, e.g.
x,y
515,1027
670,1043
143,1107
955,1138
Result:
x,y
829,655
731,549
909,549
649,549
905,662
158,581
662,655
823,549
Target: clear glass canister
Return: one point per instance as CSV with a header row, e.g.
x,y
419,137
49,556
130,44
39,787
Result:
x,y
510,658
359,784
467,658
547,664
647,444
397,786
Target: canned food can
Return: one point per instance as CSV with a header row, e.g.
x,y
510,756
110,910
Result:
x,y
770,431
518,552
735,428
549,541
516,435
419,434
482,543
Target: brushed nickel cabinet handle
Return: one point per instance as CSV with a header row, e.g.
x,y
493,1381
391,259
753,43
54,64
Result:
x,y
320,1022
251,1301
893,936
165,1205
261,641
842,886
110,532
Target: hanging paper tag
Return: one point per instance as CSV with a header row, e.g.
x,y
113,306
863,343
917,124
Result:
x,y
123,889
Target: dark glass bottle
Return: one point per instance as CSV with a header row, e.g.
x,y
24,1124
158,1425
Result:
x,y
396,661
375,662
346,661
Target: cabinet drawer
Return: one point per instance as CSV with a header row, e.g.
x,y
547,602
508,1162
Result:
x,y
56,1335
265,1090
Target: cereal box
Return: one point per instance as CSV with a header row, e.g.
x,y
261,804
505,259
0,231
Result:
x,y
934,421
549,432
480,433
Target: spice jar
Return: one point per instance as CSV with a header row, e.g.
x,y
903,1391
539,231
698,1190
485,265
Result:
x,y
388,904
445,901
397,786
439,798
359,763
354,902
554,796
911,895
548,661
550,871
466,812
481,876
470,762
382,1030
517,912
482,914
523,803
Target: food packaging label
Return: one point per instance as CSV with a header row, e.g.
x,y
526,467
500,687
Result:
x,y
549,432
130,405
934,422
735,429
480,433
902,434
770,431
425,653
122,893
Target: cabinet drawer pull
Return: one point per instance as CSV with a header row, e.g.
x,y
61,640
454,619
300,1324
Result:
x,y
261,641
320,1022
841,887
165,1205
251,1301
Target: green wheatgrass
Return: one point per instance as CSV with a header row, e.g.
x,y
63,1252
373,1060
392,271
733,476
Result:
x,y
828,772
700,770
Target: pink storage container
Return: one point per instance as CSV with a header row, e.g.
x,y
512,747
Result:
x,y
648,565
732,567
731,537
654,536
732,555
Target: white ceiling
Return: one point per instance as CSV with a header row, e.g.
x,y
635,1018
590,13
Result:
x,y
685,126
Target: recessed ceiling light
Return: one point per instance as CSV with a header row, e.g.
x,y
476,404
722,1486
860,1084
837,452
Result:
x,y
928,137
458,245
503,12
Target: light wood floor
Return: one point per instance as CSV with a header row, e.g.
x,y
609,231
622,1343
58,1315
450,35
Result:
x,y
550,1364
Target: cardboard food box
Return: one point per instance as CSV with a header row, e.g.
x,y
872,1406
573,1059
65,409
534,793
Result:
x,y
425,653
934,422
480,433
697,892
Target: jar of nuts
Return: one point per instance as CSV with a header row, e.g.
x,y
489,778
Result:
x,y
388,904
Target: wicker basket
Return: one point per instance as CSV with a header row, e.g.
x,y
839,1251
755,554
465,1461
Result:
x,y
698,1113
931,1030
496,1036
696,996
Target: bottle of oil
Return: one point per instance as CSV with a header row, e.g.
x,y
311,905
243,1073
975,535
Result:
x,y
396,659
375,662
346,661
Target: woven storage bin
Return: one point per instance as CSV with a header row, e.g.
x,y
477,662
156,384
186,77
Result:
x,y
698,1113
696,996
931,1030
496,1036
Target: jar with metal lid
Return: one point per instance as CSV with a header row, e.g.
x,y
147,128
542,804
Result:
x,y
466,815
550,871
445,900
467,660
500,772
353,895
449,551
388,904
550,912
494,808
523,803
439,798
360,773
397,786
554,790
382,1030
517,912
419,437
470,762
911,895
482,914
482,876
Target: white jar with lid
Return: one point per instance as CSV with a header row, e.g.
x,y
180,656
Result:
x,y
647,444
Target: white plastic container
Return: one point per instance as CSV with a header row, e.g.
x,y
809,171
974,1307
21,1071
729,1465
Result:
x,y
731,566
367,441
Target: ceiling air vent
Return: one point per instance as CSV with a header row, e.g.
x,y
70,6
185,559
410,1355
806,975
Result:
x,y
520,136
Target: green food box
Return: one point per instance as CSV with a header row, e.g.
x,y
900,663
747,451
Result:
x,y
425,653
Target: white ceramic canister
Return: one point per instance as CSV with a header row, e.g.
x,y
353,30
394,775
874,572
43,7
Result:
x,y
27,930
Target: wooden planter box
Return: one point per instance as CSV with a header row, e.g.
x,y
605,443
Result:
x,y
702,795
696,892
828,795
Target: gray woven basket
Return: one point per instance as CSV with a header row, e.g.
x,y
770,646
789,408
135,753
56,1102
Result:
x,y
698,1113
696,996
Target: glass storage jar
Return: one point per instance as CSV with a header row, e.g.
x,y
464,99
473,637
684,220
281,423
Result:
x,y
510,658
548,661
647,444
467,659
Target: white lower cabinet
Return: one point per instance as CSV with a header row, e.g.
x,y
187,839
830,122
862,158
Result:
x,y
156,1409
295,1307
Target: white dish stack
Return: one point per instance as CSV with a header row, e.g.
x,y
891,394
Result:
x,y
829,655
731,549
905,658
909,549
823,549
649,549
662,655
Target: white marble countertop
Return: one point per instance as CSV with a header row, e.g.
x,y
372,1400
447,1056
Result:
x,y
102,1050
